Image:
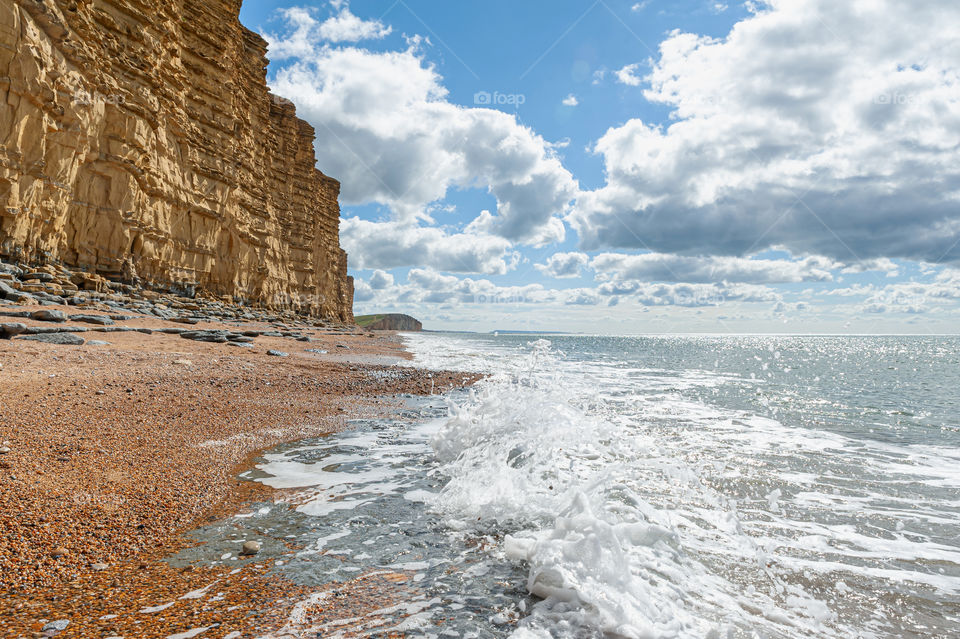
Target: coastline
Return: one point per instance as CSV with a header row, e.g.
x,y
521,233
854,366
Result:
x,y
117,451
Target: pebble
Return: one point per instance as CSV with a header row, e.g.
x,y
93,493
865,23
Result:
x,y
99,567
4,450
183,362
59,552
278,353
98,342
59,625
250,548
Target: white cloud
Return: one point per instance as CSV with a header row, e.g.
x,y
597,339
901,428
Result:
x,y
346,27
387,245
571,101
381,280
659,267
386,130
628,75
827,128
305,32
563,265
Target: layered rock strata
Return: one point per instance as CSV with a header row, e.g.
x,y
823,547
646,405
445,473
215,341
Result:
x,y
138,141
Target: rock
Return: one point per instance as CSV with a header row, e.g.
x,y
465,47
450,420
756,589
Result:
x,y
240,344
49,316
102,320
98,342
278,353
316,350
217,337
9,331
250,548
243,339
59,552
183,362
4,450
7,292
55,627
63,339
99,567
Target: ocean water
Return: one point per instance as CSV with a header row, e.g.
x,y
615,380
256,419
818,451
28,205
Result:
x,y
689,487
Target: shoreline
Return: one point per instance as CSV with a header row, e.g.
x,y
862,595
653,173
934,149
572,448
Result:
x,y
117,451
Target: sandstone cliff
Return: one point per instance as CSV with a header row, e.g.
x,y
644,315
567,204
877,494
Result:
x,y
390,322
138,140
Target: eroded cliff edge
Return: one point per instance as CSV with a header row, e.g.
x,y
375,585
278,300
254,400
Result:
x,y
139,140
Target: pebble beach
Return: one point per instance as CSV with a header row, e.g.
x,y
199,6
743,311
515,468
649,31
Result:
x,y
116,445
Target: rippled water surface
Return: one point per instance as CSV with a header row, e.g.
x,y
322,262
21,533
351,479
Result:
x,y
651,487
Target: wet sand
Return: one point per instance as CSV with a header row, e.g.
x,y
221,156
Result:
x,y
118,450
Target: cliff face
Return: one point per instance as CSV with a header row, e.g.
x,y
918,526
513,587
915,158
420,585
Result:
x,y
390,322
138,140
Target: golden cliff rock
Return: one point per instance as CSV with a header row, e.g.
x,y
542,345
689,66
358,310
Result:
x,y
138,140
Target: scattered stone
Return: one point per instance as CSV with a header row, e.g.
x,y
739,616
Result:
x,y
49,316
63,339
99,567
278,353
9,331
55,627
250,548
183,362
59,552
4,450
102,320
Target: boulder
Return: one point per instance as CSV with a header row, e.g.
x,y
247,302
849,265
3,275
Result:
x,y
63,339
49,316
11,330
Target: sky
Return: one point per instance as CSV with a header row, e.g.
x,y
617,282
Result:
x,y
628,167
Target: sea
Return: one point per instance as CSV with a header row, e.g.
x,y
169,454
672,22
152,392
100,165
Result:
x,y
701,486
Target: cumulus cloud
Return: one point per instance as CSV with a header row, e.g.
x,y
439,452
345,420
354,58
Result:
x,y
381,280
563,265
629,75
386,129
304,31
387,245
827,128
659,267
571,101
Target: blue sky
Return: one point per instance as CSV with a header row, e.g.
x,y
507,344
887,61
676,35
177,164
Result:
x,y
637,167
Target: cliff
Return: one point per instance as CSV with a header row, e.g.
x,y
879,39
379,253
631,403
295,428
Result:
x,y
138,140
389,322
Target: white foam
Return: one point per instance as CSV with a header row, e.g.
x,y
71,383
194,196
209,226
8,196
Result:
x,y
641,512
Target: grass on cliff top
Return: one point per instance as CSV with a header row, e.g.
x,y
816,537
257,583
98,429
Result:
x,y
366,320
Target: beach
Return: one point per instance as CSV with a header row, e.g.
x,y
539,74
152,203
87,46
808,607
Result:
x,y
116,450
